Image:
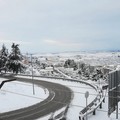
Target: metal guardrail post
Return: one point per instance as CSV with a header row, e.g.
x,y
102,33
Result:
x,y
100,105
94,112
86,96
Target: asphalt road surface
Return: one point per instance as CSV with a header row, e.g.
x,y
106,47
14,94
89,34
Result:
x,y
59,97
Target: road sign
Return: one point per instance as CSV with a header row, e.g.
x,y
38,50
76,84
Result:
x,y
113,92
86,94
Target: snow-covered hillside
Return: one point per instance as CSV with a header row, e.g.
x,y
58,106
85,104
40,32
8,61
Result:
x,y
52,65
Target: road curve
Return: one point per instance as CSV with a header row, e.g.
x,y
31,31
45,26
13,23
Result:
x,y
59,97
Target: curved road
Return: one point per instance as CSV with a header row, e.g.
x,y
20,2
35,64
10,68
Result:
x,y
59,97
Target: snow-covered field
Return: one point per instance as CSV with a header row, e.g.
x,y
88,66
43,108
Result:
x,y
15,95
92,58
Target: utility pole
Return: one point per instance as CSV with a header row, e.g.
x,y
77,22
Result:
x,y
32,75
117,89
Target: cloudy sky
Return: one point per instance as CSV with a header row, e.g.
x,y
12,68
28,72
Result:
x,y
60,25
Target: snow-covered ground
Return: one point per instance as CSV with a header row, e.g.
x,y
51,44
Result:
x,y
92,58
13,92
15,95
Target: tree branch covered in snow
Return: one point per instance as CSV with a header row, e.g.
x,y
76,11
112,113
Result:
x,y
11,61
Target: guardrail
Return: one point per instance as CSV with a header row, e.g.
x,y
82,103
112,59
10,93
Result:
x,y
64,79
3,82
92,107
60,116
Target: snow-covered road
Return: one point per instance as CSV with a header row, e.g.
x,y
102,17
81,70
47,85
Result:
x,y
78,102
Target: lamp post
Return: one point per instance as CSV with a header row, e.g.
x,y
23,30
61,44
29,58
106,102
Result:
x,y
32,75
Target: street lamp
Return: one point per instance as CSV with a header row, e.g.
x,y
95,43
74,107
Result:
x,y
32,75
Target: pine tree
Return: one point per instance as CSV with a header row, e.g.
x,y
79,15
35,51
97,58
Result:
x,y
3,58
15,57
